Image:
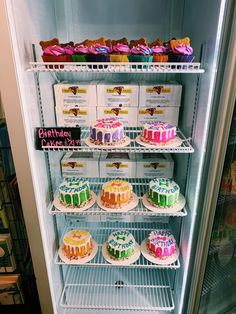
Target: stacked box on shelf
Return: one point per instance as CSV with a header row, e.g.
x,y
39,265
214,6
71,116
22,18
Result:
x,y
10,290
159,102
75,103
79,164
120,165
7,258
154,165
118,100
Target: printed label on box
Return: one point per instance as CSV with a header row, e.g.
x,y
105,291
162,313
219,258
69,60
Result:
x,y
82,95
84,166
161,114
149,166
74,116
160,95
120,95
128,116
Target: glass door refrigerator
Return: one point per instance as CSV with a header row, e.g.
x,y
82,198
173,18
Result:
x,y
208,86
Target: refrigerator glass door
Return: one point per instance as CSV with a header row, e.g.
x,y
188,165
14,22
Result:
x,y
219,286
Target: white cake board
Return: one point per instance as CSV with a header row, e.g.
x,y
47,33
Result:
x,y
92,145
171,144
155,260
72,209
131,205
82,260
165,210
123,262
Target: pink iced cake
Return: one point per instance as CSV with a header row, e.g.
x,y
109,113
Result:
x,y
107,131
158,132
162,244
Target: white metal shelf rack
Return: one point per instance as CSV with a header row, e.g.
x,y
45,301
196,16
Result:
x,y
100,235
140,187
133,147
116,67
117,289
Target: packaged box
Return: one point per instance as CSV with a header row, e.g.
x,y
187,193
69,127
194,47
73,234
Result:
x,y
82,94
7,259
128,116
151,95
161,114
73,116
10,290
121,165
154,165
78,164
118,94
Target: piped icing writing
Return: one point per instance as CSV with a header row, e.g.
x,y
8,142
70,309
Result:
x,y
163,192
120,243
77,243
74,191
116,193
158,132
107,131
161,243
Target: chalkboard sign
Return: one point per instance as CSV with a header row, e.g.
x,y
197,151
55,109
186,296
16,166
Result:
x,y
57,137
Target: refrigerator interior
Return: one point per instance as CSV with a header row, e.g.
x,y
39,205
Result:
x,y
97,285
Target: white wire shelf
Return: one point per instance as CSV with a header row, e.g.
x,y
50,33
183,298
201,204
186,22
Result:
x,y
133,147
115,67
140,187
140,232
112,289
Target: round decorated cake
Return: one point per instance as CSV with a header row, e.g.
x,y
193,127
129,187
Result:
x,y
161,243
116,193
74,192
107,131
158,132
120,244
76,244
163,192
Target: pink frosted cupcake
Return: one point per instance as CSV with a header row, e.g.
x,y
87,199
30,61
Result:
x,y
140,53
160,54
55,54
120,53
181,53
80,53
98,53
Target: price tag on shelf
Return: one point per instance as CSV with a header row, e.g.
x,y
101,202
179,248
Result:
x,y
162,219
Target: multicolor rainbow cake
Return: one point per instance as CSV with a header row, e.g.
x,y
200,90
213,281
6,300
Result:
x,y
120,244
158,132
116,193
74,192
107,131
162,244
163,192
77,244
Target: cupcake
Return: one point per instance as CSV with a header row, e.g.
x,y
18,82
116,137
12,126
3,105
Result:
x,y
160,54
140,53
180,50
120,53
98,53
69,51
80,53
55,54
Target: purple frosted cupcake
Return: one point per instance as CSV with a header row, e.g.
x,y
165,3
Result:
x,y
181,53
98,53
80,53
